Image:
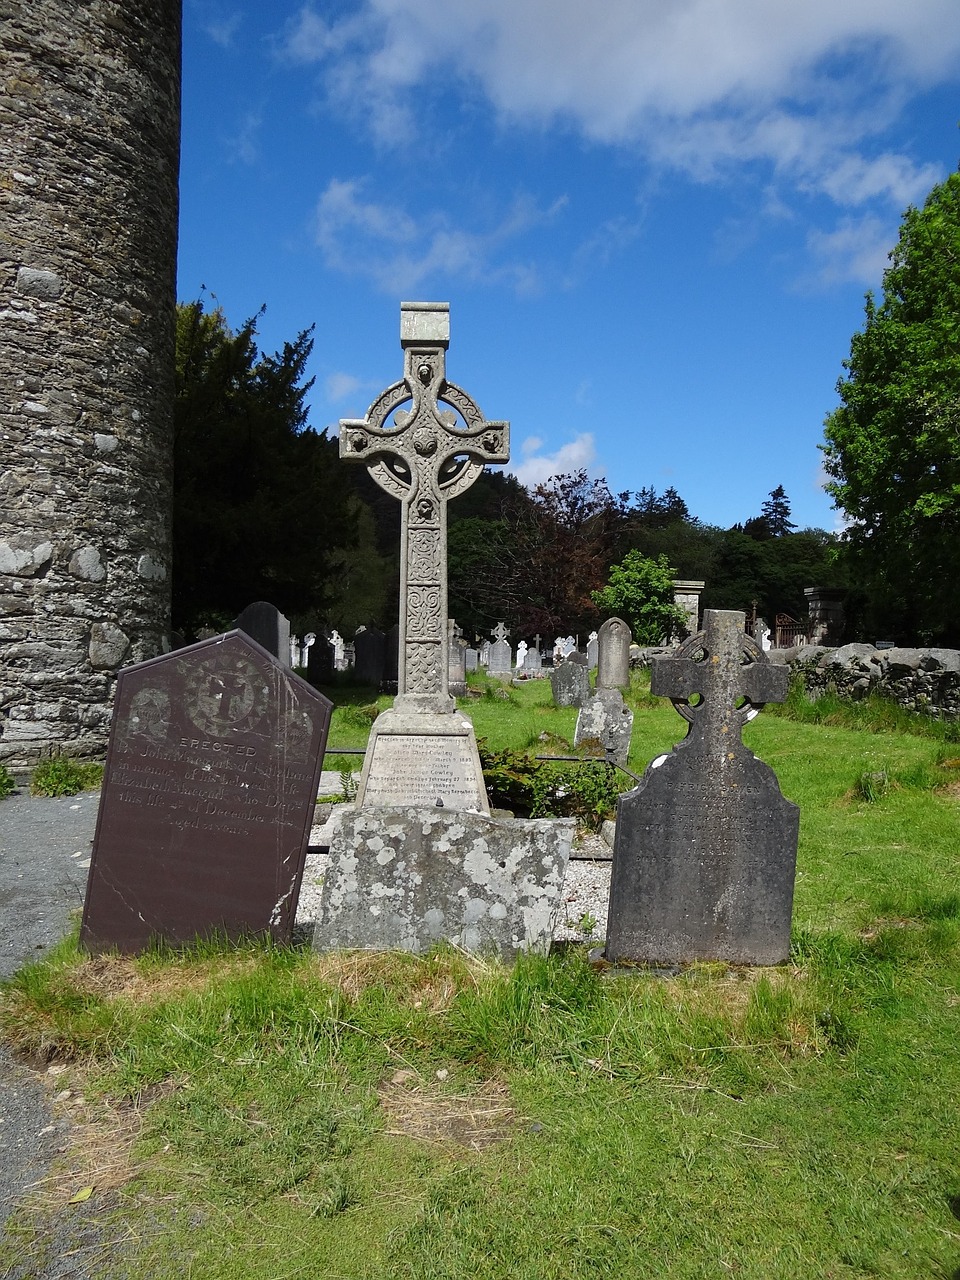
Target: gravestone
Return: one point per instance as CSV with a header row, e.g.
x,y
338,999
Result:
x,y
706,845
209,791
423,750
391,664
405,878
267,625
532,664
570,683
500,657
471,658
320,660
339,657
592,650
485,653
521,655
605,718
613,655
369,656
457,676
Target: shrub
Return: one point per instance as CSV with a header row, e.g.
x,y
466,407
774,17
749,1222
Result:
x,y
7,782
65,777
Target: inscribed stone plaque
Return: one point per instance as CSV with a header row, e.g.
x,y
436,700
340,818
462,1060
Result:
x,y
422,769
410,877
212,772
706,844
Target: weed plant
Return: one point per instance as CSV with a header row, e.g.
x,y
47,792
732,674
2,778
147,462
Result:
x,y
65,777
8,783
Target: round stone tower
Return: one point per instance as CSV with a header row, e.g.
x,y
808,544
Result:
x,y
89,154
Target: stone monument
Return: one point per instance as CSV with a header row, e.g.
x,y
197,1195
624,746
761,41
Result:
x,y
500,658
706,845
208,796
265,623
613,655
422,750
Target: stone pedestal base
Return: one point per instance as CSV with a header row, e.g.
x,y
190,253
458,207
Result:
x,y
408,878
422,757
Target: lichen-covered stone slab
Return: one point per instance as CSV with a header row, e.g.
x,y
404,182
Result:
x,y
407,878
605,718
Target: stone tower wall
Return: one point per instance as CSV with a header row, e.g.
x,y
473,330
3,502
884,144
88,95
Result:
x,y
89,155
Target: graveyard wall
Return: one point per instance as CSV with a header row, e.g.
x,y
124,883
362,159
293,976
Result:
x,y
89,143
926,680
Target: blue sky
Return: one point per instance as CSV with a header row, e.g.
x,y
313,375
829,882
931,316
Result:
x,y
654,220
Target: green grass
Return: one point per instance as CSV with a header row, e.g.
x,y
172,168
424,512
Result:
x,y
329,1116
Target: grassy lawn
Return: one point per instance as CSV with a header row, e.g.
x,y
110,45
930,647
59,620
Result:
x,y
257,1112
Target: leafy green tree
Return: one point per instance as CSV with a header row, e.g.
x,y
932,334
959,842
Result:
x,y
893,445
640,591
260,503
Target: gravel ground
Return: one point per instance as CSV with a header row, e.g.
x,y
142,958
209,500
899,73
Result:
x,y
45,847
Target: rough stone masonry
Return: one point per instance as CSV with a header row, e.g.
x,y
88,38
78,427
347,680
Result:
x,y
89,153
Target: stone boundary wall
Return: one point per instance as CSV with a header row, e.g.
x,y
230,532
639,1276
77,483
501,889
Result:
x,y
925,680
89,158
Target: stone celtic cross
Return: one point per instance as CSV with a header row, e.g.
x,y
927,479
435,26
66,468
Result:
x,y
424,455
729,674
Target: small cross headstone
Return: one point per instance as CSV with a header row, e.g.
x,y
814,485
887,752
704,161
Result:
x,y
208,795
521,656
320,660
269,628
339,657
500,659
457,681
706,844
613,655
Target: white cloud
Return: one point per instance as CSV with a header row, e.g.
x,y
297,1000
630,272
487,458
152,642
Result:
x,y
695,84
244,145
340,385
856,250
400,253
536,468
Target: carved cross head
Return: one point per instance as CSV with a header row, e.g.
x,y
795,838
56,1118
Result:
x,y
719,678
500,631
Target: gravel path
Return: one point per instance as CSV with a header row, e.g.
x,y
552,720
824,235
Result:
x,y
45,847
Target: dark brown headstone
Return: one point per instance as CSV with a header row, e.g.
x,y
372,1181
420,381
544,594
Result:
x,y
706,845
212,773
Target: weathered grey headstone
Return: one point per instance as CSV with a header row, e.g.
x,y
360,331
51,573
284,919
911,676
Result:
x,y
340,662
471,658
532,662
208,796
457,681
606,719
405,878
613,655
500,657
570,683
592,649
423,455
706,845
485,653
269,628
369,656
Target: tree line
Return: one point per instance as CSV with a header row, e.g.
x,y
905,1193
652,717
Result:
x,y
263,507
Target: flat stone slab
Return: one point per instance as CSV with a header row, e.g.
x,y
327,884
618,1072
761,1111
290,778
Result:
x,y
407,878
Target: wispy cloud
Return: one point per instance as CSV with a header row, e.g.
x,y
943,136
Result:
x,y
537,467
340,385
219,23
244,144
400,253
692,84
856,250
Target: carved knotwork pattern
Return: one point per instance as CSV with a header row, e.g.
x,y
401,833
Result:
x,y
424,563
423,669
423,613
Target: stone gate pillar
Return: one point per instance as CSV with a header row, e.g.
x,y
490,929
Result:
x,y
89,152
686,594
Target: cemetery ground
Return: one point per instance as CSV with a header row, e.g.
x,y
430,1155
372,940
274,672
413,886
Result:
x,y
257,1111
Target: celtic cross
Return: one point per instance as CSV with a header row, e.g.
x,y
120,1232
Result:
x,y
424,455
729,674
